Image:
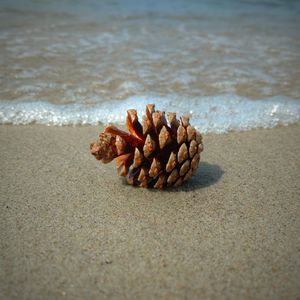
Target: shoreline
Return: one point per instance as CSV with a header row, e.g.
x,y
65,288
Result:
x,y
70,228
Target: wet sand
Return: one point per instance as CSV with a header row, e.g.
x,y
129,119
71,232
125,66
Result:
x,y
70,229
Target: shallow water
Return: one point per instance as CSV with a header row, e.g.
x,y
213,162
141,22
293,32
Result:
x,y
233,65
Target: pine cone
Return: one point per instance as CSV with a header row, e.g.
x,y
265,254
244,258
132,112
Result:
x,y
154,154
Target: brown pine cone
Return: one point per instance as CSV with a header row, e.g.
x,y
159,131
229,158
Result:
x,y
155,153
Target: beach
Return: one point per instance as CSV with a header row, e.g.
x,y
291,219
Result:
x,y
72,229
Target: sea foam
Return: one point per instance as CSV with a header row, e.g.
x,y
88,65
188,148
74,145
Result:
x,y
209,114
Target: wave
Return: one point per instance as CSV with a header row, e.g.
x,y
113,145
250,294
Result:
x,y
216,114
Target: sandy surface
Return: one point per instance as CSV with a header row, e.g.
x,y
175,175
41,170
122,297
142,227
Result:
x,y
70,229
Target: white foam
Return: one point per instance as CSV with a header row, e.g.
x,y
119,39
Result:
x,y
209,114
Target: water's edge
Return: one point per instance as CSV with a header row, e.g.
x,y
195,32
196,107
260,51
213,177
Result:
x,y
214,114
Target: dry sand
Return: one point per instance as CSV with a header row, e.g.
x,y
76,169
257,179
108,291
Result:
x,y
70,229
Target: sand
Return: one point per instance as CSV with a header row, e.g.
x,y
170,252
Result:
x,y
71,229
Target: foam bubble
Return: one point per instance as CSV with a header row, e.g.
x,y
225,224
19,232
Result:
x,y
209,114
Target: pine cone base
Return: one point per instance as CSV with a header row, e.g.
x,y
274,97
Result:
x,y
158,153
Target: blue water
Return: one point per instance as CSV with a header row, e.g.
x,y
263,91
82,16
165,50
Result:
x,y
229,64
